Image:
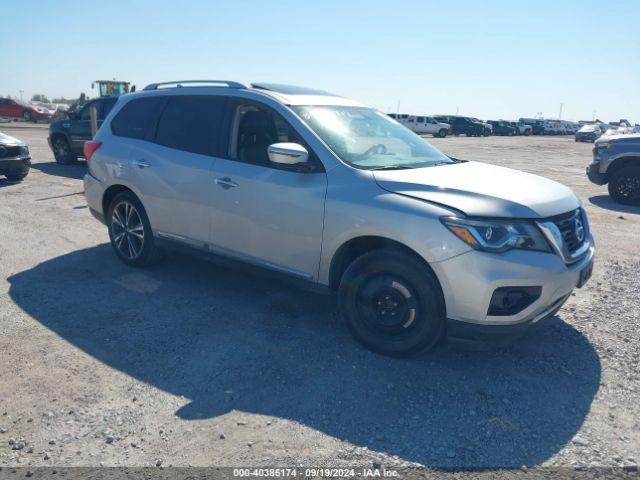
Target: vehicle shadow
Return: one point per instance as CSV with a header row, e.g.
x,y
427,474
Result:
x,y
605,201
229,340
4,182
76,170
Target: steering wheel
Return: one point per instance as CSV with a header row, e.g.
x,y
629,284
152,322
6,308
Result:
x,y
378,149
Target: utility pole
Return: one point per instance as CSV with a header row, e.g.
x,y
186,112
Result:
x,y
398,108
594,116
21,92
560,114
457,110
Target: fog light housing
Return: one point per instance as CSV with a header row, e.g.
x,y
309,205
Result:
x,y
512,300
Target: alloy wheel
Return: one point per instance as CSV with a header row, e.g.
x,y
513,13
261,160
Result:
x,y
127,230
629,188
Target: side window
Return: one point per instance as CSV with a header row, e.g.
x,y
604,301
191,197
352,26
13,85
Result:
x,y
85,113
192,123
254,128
420,119
137,118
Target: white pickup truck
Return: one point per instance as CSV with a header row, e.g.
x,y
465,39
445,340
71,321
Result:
x,y
425,125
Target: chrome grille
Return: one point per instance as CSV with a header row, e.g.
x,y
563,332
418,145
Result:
x,y
567,225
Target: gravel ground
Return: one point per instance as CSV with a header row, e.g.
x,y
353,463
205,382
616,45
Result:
x,y
191,363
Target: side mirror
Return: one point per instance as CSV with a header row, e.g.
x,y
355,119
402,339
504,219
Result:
x,y
287,153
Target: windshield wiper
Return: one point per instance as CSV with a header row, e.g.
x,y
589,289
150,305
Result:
x,y
392,167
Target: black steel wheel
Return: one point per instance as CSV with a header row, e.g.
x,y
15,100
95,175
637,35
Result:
x,y
392,303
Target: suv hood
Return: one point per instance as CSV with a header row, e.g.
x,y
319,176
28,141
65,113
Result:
x,y
479,189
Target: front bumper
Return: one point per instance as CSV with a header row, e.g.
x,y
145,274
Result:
x,y
479,335
594,174
469,281
15,165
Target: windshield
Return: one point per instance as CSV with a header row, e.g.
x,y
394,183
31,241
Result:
x,y
366,138
588,128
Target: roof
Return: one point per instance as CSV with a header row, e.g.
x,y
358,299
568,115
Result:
x,y
287,94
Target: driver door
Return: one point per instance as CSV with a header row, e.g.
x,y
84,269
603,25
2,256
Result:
x,y
265,213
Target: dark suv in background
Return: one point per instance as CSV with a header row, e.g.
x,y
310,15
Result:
x,y
500,127
537,125
67,136
462,125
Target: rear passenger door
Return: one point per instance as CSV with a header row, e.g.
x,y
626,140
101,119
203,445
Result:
x,y
263,212
177,171
170,162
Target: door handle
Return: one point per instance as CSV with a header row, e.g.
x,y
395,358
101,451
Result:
x,y
226,183
141,163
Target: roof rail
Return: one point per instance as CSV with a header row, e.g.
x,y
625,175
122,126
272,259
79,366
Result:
x,y
179,83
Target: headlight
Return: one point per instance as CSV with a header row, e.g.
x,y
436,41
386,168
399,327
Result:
x,y
497,235
24,150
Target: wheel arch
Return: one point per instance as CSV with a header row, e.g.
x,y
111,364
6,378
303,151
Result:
x,y
111,192
358,246
622,162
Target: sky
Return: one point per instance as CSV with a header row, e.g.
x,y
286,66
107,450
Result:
x,y
489,59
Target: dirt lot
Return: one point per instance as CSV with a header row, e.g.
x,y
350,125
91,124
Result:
x,y
192,363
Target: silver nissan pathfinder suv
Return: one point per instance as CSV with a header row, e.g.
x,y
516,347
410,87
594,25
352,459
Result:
x,y
418,245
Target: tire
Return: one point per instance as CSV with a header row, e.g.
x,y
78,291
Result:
x,y
486,133
442,133
130,231
527,133
624,185
16,178
384,283
26,116
62,151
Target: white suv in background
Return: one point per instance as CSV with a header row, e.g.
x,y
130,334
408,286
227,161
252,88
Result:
x,y
418,245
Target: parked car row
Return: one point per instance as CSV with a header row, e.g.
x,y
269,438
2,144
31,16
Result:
x,y
590,132
12,108
544,126
443,125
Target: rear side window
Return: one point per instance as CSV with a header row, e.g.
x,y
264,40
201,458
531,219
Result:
x,y
192,123
137,118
